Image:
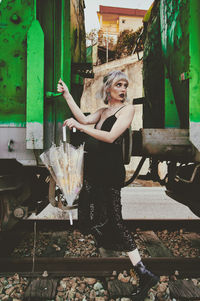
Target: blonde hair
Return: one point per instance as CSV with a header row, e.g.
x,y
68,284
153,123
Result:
x,y
110,79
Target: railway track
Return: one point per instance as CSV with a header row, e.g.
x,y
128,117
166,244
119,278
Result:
x,y
161,261
93,267
99,269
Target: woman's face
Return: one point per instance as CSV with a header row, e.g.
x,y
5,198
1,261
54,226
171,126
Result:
x,y
118,90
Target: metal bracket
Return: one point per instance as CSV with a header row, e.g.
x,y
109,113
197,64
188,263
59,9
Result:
x,y
10,145
52,94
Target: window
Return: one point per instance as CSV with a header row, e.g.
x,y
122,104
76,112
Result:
x,y
123,21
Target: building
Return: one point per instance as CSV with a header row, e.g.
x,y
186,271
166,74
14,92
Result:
x,y
114,20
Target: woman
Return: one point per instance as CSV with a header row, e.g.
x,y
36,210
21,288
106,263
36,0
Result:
x,y
99,207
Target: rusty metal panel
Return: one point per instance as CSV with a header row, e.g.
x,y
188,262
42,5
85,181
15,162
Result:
x,y
168,144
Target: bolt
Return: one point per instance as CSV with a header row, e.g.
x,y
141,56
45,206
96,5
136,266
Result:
x,y
15,19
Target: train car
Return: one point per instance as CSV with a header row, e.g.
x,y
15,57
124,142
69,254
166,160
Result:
x,y
171,110
41,41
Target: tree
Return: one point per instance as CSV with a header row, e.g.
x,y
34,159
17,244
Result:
x,y
127,41
104,40
92,37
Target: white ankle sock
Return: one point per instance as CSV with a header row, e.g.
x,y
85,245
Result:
x,y
134,256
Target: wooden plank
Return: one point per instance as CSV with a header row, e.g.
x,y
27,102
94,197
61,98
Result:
x,y
118,288
154,245
194,238
184,289
41,289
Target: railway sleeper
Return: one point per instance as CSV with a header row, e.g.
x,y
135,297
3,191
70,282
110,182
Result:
x,y
45,287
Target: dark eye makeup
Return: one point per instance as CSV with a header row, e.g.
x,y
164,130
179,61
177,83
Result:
x,y
120,84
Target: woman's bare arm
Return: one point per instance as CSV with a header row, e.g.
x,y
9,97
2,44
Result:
x,y
122,123
90,119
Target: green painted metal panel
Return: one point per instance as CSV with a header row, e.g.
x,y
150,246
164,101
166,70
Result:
x,y
194,81
62,38
16,17
54,17
64,64
46,18
153,73
194,61
67,42
35,87
174,28
60,20
171,114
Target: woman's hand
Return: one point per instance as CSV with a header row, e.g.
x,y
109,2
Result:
x,y
62,88
72,123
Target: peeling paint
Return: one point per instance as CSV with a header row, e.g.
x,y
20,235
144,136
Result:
x,y
194,134
34,135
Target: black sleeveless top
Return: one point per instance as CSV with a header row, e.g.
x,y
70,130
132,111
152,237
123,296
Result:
x,y
103,164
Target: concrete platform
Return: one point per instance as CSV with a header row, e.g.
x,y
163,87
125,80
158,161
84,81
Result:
x,y
152,203
137,203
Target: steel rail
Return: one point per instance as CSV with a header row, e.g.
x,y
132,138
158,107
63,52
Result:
x,y
56,225
83,266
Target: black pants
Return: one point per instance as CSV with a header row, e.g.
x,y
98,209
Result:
x,y
100,213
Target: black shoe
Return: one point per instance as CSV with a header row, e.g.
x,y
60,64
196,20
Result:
x,y
147,281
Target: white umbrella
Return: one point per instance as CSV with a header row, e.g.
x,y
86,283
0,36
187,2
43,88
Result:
x,y
65,164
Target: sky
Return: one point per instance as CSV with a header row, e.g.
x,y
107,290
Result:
x,y
92,6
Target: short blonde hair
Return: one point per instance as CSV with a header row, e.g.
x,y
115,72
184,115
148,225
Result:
x,y
110,79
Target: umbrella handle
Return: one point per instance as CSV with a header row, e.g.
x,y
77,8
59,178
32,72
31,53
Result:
x,y
64,133
70,218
